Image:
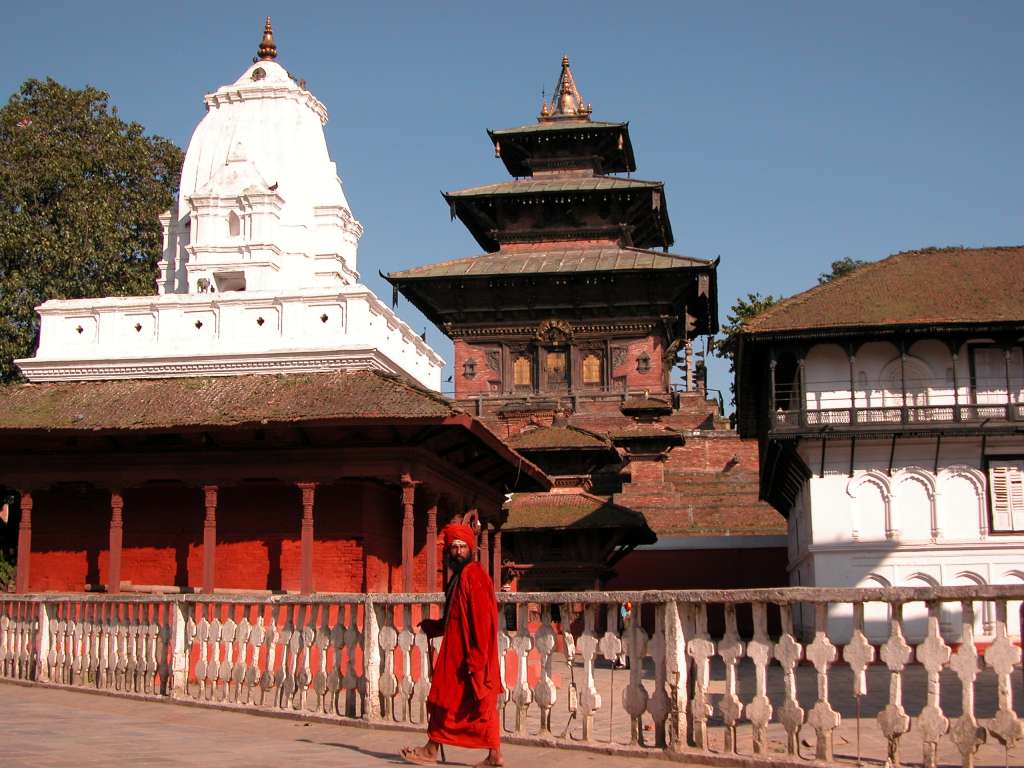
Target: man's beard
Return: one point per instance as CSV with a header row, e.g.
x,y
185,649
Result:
x,y
455,562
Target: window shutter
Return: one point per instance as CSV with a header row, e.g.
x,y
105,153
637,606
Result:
x,y
1006,489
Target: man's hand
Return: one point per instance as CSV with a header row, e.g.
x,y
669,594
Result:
x,y
432,627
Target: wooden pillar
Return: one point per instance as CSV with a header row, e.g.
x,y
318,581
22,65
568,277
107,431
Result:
x,y
408,501
484,548
209,538
306,567
116,540
24,543
496,560
431,584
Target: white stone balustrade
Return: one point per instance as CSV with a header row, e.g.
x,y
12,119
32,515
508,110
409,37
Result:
x,y
717,672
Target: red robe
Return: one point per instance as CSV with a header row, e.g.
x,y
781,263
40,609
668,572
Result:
x,y
463,694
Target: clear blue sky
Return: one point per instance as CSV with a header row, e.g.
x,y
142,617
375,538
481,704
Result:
x,y
789,134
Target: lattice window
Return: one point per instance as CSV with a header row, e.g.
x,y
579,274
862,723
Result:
x,y
592,373
1006,494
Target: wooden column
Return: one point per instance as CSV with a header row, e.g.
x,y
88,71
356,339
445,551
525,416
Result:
x,y
408,501
431,584
116,539
306,567
24,543
209,538
484,547
496,560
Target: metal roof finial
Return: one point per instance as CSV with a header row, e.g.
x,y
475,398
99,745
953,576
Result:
x,y
566,102
268,49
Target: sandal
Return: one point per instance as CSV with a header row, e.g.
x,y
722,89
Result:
x,y
417,756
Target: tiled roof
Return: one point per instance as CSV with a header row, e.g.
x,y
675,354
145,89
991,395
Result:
x,y
553,260
932,286
577,511
551,438
646,432
531,186
559,125
216,401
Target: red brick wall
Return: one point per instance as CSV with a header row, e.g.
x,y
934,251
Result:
x,y
713,453
70,535
486,379
701,569
653,379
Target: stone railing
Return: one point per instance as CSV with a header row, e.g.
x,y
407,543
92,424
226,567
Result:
x,y
719,672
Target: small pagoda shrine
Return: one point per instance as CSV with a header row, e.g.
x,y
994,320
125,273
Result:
x,y
567,330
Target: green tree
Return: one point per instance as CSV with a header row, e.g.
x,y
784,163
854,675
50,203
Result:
x,y
839,268
80,195
740,313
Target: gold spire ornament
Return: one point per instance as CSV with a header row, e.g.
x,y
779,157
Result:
x,y
268,49
566,102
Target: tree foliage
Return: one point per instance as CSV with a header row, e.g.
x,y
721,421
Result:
x,y
839,268
80,195
740,313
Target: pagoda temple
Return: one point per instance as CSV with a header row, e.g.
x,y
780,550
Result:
x,y
567,330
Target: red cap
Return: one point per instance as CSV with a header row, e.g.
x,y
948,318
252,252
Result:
x,y
459,532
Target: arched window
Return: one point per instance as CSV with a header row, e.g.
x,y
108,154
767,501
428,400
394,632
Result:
x,y
234,225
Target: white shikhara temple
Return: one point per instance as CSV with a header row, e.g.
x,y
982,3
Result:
x,y
258,273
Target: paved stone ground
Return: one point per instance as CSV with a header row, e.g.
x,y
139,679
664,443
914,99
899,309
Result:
x,y
56,728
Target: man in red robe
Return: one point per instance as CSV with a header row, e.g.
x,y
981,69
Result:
x,y
463,694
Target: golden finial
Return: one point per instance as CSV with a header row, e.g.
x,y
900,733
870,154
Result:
x,y
566,102
267,50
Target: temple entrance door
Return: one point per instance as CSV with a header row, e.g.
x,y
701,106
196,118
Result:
x,y
556,370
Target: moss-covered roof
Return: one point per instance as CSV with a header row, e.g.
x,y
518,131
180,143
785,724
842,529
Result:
x,y
573,511
216,401
948,286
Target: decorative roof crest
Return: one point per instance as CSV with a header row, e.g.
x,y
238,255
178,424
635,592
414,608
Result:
x,y
566,102
268,49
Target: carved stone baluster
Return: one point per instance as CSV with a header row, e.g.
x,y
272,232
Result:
x,y
269,679
611,646
895,653
371,662
1002,656
5,631
504,643
126,648
69,644
103,650
51,650
421,689
822,653
351,683
659,704
322,642
634,695
95,643
933,654
28,619
14,654
162,648
676,669
203,662
788,653
253,674
965,732
572,694
77,647
303,675
406,685
191,631
57,629
701,649
228,635
64,649
858,653
388,641
522,644
337,642
730,649
214,657
759,649
285,676
237,693
135,648
112,643
87,626
590,699
545,693
150,633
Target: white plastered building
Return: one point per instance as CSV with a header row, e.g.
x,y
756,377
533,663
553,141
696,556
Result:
x,y
890,409
258,273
